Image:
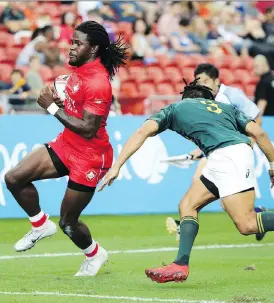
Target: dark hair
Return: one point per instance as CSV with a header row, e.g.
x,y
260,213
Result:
x,y
148,28
17,71
46,28
112,55
36,33
269,10
194,90
184,21
209,69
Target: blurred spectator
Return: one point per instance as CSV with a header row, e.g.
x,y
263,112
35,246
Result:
x,y
265,88
42,45
115,105
268,25
95,15
168,23
83,7
68,22
127,11
33,77
13,18
158,44
183,41
140,45
18,86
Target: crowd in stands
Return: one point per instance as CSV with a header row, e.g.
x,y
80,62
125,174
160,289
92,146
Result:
x,y
166,40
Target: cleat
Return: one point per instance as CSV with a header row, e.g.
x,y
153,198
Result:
x,y
91,266
173,227
168,273
258,209
35,235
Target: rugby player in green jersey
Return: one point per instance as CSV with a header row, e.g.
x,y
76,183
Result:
x,y
222,132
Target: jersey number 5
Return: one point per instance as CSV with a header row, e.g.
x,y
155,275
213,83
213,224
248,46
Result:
x,y
213,107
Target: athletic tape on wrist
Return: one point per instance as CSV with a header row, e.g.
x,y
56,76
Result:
x,y
271,165
53,108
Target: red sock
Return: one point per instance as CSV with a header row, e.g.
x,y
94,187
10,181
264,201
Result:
x,y
38,220
92,250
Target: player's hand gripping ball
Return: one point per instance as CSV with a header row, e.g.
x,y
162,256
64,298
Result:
x,y
59,86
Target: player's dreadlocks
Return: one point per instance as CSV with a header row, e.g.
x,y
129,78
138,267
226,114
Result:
x,y
112,55
194,90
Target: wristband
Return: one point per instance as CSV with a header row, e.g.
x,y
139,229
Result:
x,y
53,108
271,165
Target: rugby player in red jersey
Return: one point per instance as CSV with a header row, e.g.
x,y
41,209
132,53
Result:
x,y
82,151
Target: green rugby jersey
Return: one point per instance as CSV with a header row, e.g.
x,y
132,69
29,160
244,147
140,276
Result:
x,y
209,124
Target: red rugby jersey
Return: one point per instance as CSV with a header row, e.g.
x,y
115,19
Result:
x,y
89,88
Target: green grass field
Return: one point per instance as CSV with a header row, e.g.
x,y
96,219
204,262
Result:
x,y
216,275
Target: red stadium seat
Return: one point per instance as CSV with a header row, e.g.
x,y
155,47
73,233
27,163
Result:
x,y
132,105
60,70
241,76
137,73
250,90
165,89
129,88
179,87
249,63
147,89
187,74
155,73
3,55
157,105
173,74
6,39
163,59
226,76
237,62
12,54
123,74
5,72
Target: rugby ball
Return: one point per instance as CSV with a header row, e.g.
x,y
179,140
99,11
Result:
x,y
59,86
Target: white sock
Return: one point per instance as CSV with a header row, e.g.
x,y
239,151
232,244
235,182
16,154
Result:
x,y
91,251
39,220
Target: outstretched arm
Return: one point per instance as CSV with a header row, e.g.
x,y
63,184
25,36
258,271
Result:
x,y
136,140
264,143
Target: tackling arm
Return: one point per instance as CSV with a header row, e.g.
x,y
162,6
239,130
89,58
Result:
x,y
136,140
262,140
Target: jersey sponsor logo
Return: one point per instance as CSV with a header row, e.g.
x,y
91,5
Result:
x,y
90,175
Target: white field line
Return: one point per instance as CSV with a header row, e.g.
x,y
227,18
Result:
x,y
137,251
136,299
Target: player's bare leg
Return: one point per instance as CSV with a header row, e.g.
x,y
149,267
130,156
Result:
x,y
172,225
73,204
35,166
240,208
197,197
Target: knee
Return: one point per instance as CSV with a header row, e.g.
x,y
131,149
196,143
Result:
x,y
185,206
67,225
11,179
247,226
